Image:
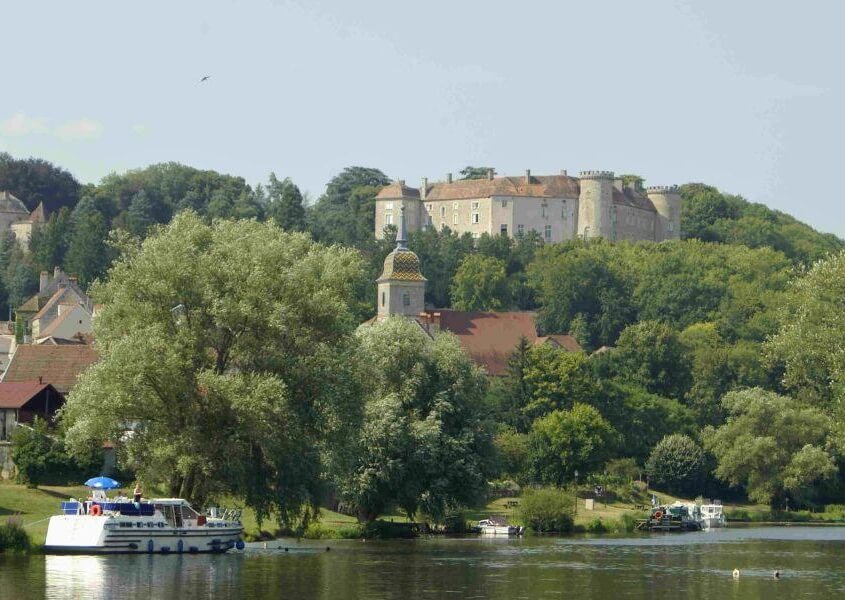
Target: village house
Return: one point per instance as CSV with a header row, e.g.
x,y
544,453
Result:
x,y
60,309
488,337
37,382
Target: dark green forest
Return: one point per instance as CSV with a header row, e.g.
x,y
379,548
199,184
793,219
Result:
x,y
716,351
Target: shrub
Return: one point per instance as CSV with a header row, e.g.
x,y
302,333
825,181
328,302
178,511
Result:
x,y
677,465
623,470
316,531
547,510
596,526
13,537
40,457
350,532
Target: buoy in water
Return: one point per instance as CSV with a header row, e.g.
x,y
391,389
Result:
x,y
736,574
776,574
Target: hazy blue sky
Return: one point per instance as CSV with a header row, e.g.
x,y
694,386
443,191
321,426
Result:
x,y
743,95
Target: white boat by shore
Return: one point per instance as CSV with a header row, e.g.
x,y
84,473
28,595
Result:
x,y
491,527
713,516
156,526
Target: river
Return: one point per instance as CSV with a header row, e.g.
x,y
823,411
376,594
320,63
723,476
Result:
x,y
655,566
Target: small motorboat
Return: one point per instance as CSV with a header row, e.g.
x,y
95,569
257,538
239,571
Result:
x,y
495,526
100,525
713,515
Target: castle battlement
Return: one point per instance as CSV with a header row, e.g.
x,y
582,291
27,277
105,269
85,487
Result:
x,y
663,189
596,175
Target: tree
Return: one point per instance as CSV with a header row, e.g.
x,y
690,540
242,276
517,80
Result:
x,y
425,444
677,465
285,204
516,391
557,379
40,457
808,344
48,242
512,449
441,252
88,255
565,441
344,214
470,172
34,180
226,349
139,216
650,355
773,446
479,284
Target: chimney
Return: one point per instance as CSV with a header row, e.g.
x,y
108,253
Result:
x,y
563,172
40,380
43,280
423,188
527,175
490,174
448,178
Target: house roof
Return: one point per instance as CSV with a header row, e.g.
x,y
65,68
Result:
x,y
489,337
57,290
567,342
397,189
17,393
11,204
402,265
57,365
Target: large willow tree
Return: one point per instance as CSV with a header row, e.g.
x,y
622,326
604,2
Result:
x,y
226,363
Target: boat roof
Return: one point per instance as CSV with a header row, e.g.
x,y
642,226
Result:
x,y
167,501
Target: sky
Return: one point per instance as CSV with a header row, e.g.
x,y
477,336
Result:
x,y
745,96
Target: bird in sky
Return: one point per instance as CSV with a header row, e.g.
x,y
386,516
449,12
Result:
x,y
205,78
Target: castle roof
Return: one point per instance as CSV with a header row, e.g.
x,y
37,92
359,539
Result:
x,y
537,186
12,204
401,265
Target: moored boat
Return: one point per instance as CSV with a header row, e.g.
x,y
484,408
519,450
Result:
x,y
713,516
100,525
495,527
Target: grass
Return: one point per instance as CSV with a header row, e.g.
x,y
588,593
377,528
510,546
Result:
x,y
35,506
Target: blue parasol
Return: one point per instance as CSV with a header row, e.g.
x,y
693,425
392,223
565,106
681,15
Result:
x,y
102,483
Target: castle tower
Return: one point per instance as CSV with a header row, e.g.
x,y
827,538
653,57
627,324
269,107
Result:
x,y
401,287
595,205
667,202
394,198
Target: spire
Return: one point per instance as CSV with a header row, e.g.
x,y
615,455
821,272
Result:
x,y
401,235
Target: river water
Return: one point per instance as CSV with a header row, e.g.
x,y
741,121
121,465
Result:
x,y
652,566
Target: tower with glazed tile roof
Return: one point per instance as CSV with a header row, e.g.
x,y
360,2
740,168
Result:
x,y
401,287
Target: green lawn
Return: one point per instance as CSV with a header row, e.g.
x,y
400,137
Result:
x,y
35,506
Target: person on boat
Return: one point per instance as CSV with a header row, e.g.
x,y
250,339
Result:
x,y
136,495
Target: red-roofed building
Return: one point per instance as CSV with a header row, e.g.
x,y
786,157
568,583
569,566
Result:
x,y
21,402
59,365
488,337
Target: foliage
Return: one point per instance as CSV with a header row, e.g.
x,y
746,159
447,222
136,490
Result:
x,y
479,284
557,379
249,388
88,255
285,204
424,444
48,242
13,537
441,251
773,446
470,172
565,441
547,510
677,465
623,469
650,355
41,459
34,180
345,213
512,450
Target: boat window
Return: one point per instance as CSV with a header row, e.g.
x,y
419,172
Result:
x,y
188,512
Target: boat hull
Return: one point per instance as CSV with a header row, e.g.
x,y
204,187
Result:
x,y
89,534
500,530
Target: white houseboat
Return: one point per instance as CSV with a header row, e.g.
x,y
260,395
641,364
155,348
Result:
x,y
713,516
161,526
497,527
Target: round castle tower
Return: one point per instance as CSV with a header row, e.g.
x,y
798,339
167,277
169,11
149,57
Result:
x,y
595,205
667,202
401,287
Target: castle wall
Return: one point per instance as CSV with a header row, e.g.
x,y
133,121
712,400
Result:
x,y
667,202
389,209
595,205
633,223
457,215
554,219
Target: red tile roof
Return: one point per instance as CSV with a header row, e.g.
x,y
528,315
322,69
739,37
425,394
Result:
x,y
57,365
567,342
17,394
489,337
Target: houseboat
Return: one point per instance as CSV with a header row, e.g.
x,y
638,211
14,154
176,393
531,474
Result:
x,y
150,526
495,526
713,516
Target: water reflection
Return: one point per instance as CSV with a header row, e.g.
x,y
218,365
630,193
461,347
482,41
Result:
x,y
648,567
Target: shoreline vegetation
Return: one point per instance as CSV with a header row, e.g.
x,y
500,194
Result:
x,y
24,513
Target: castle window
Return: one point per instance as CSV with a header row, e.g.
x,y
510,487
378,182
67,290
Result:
x,y
454,206
475,206
475,218
548,233
388,206
388,218
504,203
428,207
455,219
442,212
520,229
406,299
671,226
383,296
503,229
545,211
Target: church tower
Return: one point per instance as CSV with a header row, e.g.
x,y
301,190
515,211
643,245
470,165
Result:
x,y
401,287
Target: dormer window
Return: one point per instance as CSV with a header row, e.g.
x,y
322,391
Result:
x,y
406,299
